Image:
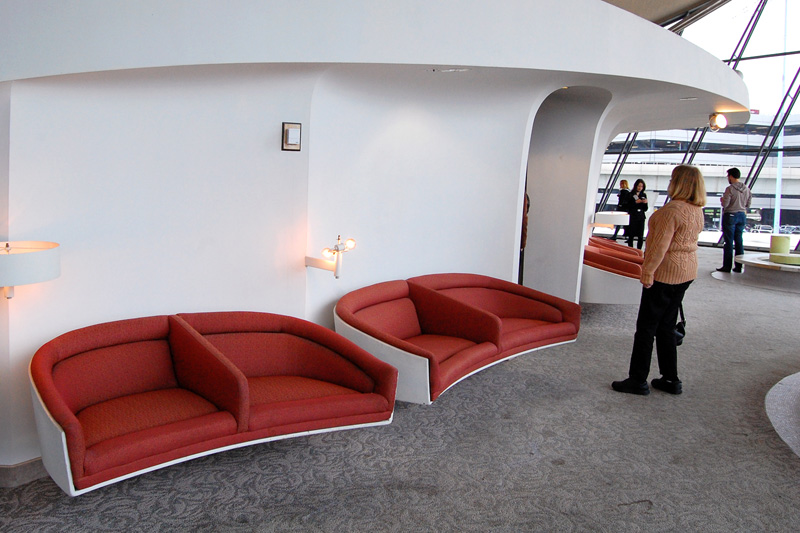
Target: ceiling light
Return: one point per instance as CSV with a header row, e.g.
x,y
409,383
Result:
x,y
717,121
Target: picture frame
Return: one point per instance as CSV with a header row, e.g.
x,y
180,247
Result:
x,y
291,137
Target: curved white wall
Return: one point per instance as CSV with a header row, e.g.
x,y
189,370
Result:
x,y
563,166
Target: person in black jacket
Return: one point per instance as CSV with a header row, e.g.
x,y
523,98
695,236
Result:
x,y
637,209
623,199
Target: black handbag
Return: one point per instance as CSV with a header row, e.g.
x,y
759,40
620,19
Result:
x,y
680,328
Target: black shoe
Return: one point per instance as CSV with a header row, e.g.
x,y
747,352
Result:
x,y
738,270
726,270
666,385
631,387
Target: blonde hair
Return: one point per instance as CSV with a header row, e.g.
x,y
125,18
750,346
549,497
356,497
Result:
x,y
623,184
687,184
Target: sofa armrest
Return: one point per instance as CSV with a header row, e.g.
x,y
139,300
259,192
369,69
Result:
x,y
441,315
53,403
383,374
202,369
350,319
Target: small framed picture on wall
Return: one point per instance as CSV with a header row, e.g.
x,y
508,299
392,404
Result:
x,y
291,136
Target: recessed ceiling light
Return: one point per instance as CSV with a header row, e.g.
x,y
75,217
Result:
x,y
688,99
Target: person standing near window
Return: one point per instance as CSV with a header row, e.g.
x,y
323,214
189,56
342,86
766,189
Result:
x,y
637,208
735,201
623,199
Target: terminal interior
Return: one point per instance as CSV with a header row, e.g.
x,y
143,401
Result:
x,y
147,141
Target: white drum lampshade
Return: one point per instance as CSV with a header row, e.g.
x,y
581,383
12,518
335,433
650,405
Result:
x,y
24,262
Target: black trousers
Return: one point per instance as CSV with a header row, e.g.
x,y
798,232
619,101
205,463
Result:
x,y
658,313
635,230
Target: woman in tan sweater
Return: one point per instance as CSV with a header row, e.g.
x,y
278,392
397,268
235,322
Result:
x,y
670,266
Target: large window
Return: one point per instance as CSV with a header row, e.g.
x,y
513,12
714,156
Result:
x,y
776,188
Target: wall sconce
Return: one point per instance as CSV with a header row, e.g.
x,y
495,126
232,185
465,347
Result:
x,y
717,121
333,256
24,262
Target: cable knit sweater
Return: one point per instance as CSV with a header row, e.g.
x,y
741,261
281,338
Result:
x,y
671,252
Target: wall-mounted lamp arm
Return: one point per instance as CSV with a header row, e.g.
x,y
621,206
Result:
x,y
323,264
334,264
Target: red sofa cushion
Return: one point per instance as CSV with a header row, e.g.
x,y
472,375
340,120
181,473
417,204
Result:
x,y
442,347
522,331
455,368
137,412
271,389
155,440
287,400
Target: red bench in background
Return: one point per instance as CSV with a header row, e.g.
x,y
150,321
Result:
x,y
611,273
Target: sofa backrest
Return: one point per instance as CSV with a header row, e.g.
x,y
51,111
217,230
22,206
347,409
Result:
x,y
265,344
380,310
106,361
612,245
502,299
597,259
284,354
615,252
504,304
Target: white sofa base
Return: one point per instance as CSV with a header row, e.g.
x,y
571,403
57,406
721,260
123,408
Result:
x,y
602,287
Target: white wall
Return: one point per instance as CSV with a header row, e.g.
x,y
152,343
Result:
x,y
423,169
6,381
167,191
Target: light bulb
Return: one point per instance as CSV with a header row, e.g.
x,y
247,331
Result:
x,y
328,253
717,121
349,244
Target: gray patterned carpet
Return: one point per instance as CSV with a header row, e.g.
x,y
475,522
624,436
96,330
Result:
x,y
540,443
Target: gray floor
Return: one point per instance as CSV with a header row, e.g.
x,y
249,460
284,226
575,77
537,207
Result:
x,y
540,443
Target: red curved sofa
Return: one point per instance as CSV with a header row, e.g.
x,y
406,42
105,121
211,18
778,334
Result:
x,y
119,399
611,273
633,254
611,262
439,329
